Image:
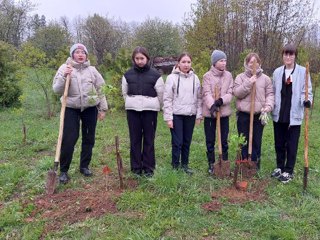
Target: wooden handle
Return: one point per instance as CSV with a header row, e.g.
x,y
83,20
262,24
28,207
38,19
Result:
x,y
306,113
217,95
253,96
62,113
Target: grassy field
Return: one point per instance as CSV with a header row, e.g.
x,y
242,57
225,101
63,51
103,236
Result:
x,y
168,206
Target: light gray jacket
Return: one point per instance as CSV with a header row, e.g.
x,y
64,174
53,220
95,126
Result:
x,y
298,94
85,88
182,95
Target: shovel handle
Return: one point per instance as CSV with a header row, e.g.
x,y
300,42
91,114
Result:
x,y
217,95
253,96
306,133
62,113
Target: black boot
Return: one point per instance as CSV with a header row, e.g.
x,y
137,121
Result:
x,y
64,178
186,169
86,172
210,157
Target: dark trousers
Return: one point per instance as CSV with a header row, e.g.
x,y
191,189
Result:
x,y
181,137
243,125
142,130
71,129
210,125
286,140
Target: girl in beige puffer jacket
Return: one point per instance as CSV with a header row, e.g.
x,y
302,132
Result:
x,y
263,104
182,108
85,103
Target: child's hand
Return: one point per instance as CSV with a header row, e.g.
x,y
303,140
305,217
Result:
x,y
170,124
67,71
101,115
198,121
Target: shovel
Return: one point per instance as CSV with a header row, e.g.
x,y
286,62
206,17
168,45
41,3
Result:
x,y
247,166
222,167
306,136
52,174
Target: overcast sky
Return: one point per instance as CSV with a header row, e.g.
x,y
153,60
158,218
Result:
x,y
126,10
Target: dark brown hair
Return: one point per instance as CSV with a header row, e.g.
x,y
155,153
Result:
x,y
141,50
251,55
290,48
183,55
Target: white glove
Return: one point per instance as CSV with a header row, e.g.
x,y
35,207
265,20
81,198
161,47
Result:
x,y
264,118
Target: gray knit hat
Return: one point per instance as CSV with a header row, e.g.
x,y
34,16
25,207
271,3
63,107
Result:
x,y
76,46
216,56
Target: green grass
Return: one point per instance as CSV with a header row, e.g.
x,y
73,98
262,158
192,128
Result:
x,y
167,206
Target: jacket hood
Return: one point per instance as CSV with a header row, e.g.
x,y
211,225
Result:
x,y
77,65
176,70
216,72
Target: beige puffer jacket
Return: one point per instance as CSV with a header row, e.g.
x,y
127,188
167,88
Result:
x,y
264,92
85,86
182,95
224,81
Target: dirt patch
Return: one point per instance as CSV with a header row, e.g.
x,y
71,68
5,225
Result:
x,y
75,205
256,192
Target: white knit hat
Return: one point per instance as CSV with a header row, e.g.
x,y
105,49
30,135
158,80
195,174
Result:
x,y
78,46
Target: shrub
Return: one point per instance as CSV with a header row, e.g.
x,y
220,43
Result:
x,y
113,87
9,88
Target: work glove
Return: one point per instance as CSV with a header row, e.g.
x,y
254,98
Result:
x,y
218,102
213,109
264,117
307,104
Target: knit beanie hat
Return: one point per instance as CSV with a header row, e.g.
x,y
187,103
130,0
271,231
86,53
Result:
x,y
78,46
216,56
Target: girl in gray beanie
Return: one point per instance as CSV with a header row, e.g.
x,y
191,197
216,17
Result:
x,y
217,77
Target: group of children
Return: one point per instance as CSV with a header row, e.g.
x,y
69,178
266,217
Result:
x,y
186,103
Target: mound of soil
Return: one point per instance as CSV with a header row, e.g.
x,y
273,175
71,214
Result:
x,y
76,205
256,192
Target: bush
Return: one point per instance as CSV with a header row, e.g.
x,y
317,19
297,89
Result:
x,y
9,88
113,87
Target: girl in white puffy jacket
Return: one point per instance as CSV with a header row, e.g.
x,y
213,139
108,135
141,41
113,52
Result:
x,y
182,108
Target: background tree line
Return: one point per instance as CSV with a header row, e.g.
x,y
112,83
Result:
x,y
31,43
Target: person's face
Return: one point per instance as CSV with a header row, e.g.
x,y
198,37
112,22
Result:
x,y
185,64
251,62
140,60
288,59
79,56
221,64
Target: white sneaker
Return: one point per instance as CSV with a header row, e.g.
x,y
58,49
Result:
x,y
285,177
276,173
